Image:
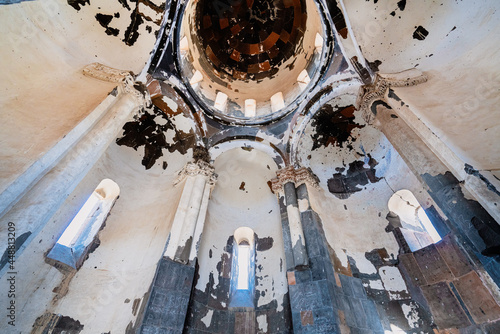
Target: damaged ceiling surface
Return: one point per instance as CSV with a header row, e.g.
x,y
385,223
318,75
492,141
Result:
x,y
254,52
259,148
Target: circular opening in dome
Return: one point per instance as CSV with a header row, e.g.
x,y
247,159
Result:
x,y
249,61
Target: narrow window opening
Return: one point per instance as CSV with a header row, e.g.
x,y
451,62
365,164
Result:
x,y
243,266
416,227
81,233
243,269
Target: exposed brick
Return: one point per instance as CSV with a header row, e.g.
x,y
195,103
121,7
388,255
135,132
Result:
x,y
306,317
445,308
453,256
244,322
291,277
477,298
432,265
412,268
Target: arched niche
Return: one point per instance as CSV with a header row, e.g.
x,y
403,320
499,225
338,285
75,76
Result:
x,y
416,227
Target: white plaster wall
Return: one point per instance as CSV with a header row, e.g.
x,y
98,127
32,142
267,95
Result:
x,y
461,56
44,45
255,207
102,293
356,225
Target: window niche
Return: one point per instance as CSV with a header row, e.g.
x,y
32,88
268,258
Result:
x,y
81,234
243,269
416,228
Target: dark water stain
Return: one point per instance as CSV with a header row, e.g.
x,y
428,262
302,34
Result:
x,y
264,244
146,132
379,103
77,3
402,5
374,66
68,325
471,171
270,185
124,4
137,18
104,21
132,33
420,33
334,126
393,95
17,244
379,257
455,27
358,174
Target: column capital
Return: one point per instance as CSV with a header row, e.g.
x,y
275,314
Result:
x,y
297,176
305,176
124,78
382,82
197,168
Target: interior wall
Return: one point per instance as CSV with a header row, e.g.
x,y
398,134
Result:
x,y
241,198
107,293
449,41
358,172
44,47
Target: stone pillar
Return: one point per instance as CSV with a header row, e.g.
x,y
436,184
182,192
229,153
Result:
x,y
284,188
311,288
468,219
199,180
171,288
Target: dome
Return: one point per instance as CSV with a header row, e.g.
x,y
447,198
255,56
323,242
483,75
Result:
x,y
249,61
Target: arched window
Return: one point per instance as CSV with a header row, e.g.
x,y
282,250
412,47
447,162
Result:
x,y
416,227
243,269
78,237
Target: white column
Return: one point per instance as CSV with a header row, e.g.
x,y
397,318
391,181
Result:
x,y
200,224
180,216
190,216
187,231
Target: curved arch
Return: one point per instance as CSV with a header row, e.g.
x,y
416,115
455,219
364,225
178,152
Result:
x,y
324,55
302,118
248,143
244,234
